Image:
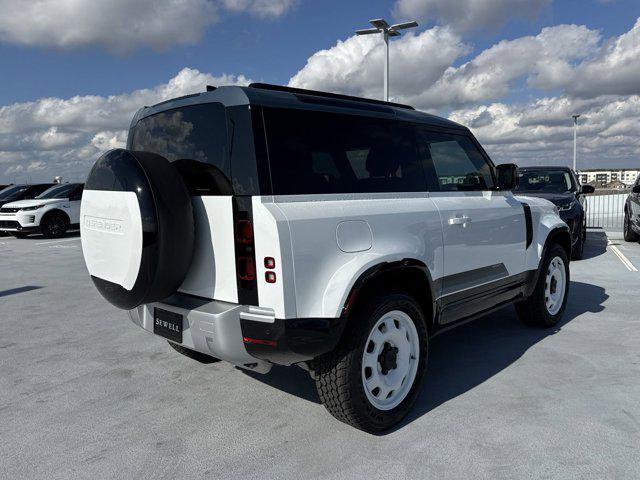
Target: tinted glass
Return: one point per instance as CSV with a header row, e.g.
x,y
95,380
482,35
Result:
x,y
15,191
545,181
454,161
197,133
34,190
319,152
59,191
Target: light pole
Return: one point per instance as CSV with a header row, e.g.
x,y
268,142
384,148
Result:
x,y
381,26
575,139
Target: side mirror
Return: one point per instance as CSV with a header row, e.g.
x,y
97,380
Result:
x,y
636,189
587,189
507,176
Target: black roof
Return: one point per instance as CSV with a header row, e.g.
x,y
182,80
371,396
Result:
x,y
286,97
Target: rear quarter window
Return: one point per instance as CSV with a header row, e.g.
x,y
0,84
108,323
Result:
x,y
313,152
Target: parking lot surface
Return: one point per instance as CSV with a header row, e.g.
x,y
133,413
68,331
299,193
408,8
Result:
x,y
86,394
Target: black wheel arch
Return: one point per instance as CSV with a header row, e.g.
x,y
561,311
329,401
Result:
x,y
407,275
55,211
560,236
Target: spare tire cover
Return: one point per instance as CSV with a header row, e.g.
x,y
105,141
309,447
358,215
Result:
x,y
137,227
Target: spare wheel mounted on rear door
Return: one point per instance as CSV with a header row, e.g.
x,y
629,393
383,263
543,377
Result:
x,y
137,227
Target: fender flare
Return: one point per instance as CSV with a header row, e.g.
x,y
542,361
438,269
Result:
x,y
554,232
385,267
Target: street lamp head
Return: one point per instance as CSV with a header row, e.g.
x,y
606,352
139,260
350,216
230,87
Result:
x,y
382,26
575,117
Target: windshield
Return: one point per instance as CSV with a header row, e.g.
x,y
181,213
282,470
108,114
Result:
x,y
10,193
544,181
58,191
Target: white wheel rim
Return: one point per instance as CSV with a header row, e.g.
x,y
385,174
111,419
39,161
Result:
x,y
393,335
555,286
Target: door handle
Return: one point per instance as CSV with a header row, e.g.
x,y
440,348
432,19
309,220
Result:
x,y
459,220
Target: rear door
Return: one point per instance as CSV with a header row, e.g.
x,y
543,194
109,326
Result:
x,y
484,231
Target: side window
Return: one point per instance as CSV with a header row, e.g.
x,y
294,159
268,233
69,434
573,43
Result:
x,y
455,161
314,152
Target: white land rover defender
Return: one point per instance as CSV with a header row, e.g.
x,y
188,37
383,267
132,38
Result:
x,y
268,225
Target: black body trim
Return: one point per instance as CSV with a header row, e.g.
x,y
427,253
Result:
x,y
479,300
472,278
529,223
292,340
247,289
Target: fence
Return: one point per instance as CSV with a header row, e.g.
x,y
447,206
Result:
x,y
605,209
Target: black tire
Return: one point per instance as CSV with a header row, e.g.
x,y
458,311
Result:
x,y
577,252
629,234
54,225
197,356
533,311
19,234
339,374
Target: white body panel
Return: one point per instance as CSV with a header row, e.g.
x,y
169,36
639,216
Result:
x,y
402,226
213,268
481,229
30,219
111,233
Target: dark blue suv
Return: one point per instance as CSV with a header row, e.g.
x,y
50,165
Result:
x,y
560,186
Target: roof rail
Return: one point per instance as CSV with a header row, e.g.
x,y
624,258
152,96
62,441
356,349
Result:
x,y
303,91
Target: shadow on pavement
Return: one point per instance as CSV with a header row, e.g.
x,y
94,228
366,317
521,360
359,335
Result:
x,y
596,244
39,236
13,291
462,358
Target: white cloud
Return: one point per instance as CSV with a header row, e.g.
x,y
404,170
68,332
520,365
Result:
x,y
54,136
543,60
355,65
121,26
468,15
541,132
261,8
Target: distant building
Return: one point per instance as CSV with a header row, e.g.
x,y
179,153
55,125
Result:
x,y
606,177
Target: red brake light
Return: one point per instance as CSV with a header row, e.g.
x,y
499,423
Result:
x,y
246,269
259,341
269,262
270,277
244,232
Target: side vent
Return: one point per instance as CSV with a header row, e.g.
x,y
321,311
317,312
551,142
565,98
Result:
x,y
529,223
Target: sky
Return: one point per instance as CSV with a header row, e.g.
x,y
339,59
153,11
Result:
x,y
73,72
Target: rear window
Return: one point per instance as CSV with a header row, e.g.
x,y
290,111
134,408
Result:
x,y
314,152
194,138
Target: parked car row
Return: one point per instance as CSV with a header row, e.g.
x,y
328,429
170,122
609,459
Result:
x,y
47,208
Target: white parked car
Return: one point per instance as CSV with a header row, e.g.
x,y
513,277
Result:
x,y
51,213
268,225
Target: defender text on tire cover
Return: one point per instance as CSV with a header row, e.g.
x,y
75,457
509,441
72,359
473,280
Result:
x,y
137,227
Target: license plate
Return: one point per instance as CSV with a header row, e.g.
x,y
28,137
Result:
x,y
167,324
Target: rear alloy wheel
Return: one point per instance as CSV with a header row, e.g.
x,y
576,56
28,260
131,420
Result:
x,y
545,306
54,225
629,234
373,377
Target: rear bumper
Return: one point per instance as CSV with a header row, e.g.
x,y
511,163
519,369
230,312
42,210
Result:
x,y
249,337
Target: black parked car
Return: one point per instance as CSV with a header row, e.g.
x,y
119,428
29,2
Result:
x,y
560,186
632,214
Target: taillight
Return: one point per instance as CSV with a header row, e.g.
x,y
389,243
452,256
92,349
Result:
x,y
270,277
246,269
244,232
